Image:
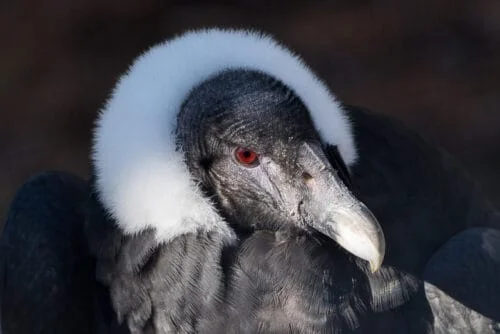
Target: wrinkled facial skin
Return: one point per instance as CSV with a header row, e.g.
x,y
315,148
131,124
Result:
x,y
239,110
292,184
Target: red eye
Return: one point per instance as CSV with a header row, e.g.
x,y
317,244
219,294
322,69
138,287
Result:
x,y
246,157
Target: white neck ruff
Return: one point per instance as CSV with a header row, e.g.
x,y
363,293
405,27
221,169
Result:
x,y
141,179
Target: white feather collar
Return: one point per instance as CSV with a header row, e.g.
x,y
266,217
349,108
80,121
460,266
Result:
x,y
141,179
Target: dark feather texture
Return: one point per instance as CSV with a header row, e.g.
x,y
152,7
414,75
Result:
x,y
48,281
463,283
69,276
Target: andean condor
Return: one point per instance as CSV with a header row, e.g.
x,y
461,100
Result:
x,y
231,192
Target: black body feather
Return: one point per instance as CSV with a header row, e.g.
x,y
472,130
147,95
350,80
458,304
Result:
x,y
64,275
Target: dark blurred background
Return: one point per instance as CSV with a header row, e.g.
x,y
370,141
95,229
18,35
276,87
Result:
x,y
434,64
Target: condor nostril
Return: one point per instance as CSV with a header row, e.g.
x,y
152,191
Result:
x,y
308,179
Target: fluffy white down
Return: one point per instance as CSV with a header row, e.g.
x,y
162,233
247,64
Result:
x,y
141,179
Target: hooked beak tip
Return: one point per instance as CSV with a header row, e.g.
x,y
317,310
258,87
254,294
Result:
x,y
356,230
376,264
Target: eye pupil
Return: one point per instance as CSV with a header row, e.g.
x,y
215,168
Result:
x,y
246,157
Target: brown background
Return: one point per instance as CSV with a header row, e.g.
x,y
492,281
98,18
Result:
x,y
433,64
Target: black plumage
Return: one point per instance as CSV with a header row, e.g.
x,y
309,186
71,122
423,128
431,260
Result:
x,y
462,282
47,274
284,273
152,287
409,255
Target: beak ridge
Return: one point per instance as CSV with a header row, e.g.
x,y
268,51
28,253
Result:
x,y
338,214
357,230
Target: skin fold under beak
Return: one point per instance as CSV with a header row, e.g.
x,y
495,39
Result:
x,y
338,214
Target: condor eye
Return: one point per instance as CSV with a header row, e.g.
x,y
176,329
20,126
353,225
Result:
x,y
246,157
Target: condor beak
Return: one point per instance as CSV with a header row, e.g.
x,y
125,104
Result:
x,y
335,212
356,230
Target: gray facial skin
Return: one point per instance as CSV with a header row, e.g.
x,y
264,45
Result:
x,y
293,184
